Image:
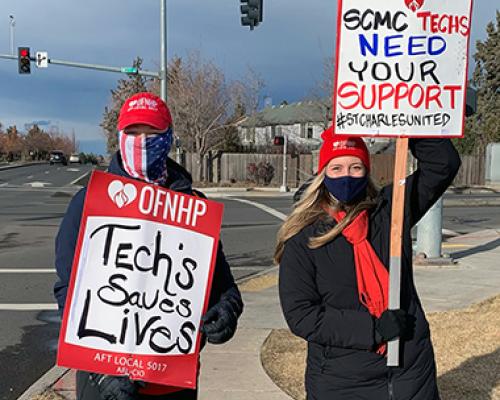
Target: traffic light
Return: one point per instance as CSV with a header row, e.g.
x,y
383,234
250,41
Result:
x,y
23,60
251,12
279,141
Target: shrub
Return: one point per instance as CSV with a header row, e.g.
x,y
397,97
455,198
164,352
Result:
x,y
263,172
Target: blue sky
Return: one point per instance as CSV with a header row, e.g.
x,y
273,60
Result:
x,y
287,50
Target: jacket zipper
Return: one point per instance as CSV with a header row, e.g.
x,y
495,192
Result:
x,y
389,386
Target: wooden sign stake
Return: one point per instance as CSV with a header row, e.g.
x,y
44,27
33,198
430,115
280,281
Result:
x,y
397,218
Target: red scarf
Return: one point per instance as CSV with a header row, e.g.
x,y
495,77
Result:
x,y
371,275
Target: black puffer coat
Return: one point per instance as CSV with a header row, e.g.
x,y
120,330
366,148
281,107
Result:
x,y
319,296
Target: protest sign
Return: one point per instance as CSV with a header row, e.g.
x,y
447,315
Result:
x,y
401,67
140,282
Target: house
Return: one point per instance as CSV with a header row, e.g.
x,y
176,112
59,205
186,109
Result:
x,y
301,122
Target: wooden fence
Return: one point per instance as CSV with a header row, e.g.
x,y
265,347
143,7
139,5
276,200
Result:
x,y
234,168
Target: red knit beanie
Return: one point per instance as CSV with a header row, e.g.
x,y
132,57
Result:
x,y
342,145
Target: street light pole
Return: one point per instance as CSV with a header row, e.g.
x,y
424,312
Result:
x,y
163,50
12,26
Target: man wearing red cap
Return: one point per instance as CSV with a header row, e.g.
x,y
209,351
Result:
x,y
145,139
333,252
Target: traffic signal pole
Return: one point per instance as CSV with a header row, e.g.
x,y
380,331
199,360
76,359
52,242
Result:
x,y
284,187
96,67
163,50
161,75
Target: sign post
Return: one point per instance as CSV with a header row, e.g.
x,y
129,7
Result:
x,y
401,71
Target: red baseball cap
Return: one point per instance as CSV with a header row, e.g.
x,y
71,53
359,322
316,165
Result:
x,y
342,145
145,108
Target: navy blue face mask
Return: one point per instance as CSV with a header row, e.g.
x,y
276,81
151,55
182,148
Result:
x,y
347,188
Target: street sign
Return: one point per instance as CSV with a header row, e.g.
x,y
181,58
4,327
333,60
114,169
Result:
x,y
130,70
42,59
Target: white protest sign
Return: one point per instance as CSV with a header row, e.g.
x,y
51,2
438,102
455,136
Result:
x,y
401,67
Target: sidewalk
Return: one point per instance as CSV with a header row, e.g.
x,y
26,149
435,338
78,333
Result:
x,y
234,372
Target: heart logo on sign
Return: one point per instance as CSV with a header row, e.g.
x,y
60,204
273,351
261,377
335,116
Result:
x,y
122,194
414,5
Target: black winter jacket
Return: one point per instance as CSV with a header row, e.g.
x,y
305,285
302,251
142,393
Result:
x,y
178,180
319,296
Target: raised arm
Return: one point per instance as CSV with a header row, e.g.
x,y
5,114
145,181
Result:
x,y
438,164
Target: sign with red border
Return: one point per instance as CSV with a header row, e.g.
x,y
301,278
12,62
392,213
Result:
x,y
140,282
401,67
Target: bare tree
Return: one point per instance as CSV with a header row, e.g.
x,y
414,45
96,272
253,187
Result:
x,y
61,142
38,143
13,143
205,106
322,93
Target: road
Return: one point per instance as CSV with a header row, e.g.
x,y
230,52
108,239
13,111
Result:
x,y
32,202
29,218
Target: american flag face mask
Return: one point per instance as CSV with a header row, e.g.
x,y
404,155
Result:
x,y
145,157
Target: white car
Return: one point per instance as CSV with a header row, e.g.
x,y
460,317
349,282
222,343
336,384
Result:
x,y
75,158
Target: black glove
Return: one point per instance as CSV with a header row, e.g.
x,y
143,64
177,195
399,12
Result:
x,y
220,321
393,324
114,387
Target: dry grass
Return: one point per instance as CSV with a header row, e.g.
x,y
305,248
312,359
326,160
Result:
x,y
283,356
466,343
259,283
48,395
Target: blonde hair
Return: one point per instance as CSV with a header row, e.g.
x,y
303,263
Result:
x,y
311,207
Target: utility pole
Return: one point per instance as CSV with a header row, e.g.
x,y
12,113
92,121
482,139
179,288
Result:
x,y
163,50
284,187
429,237
12,26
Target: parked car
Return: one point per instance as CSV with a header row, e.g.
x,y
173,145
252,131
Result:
x,y
75,158
57,156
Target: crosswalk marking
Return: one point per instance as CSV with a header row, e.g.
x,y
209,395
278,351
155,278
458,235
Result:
x,y
28,307
27,271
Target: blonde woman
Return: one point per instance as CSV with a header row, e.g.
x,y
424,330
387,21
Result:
x,y
333,252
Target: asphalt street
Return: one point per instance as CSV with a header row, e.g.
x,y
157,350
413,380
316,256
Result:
x,y
30,213
33,201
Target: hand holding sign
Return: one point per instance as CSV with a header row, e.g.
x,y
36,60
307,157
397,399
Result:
x,y
219,323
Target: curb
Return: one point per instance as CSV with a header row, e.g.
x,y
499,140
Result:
x,y
45,382
259,274
471,203
21,165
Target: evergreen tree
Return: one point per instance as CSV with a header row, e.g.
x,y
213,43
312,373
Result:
x,y
125,88
483,127
231,141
